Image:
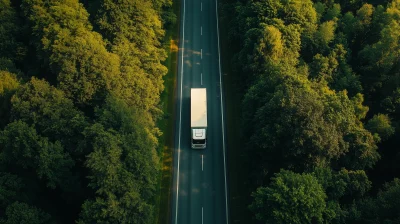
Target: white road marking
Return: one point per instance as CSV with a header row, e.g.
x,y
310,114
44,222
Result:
x,y
202,219
202,163
201,78
201,53
180,114
202,6
222,113
201,30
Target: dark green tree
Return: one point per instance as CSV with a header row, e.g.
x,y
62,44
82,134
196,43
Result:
x,y
22,147
380,209
123,166
381,125
22,213
50,112
291,198
8,85
11,46
118,199
10,186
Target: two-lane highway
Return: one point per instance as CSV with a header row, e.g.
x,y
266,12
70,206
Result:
x,y
199,189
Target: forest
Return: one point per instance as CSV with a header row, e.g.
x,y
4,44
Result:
x,y
320,91
80,85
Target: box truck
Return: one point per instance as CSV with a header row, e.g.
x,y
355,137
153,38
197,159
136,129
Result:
x,y
198,116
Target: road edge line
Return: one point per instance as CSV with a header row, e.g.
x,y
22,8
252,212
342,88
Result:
x,y
180,113
222,113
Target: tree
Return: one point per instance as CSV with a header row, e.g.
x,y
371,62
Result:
x,y
381,125
297,122
134,30
118,199
334,186
291,198
50,112
77,56
333,12
22,213
357,183
322,68
343,184
8,85
10,31
10,186
326,32
139,141
382,209
22,147
343,77
123,166
360,109
380,58
362,152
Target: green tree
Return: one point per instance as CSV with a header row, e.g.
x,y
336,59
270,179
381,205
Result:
x,y
343,184
50,112
134,30
357,183
326,32
64,40
22,213
322,68
333,12
333,185
118,199
123,166
139,140
381,125
360,109
381,209
380,58
8,85
10,31
362,152
22,147
343,77
10,186
291,198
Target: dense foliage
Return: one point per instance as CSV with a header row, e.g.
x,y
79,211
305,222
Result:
x,y
79,99
320,96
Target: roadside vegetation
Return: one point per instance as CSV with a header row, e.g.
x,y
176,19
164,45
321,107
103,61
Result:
x,y
320,110
166,124
80,87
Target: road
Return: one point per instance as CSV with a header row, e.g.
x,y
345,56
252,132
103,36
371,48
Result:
x,y
199,184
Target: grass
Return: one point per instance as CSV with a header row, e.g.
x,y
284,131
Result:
x,y
166,124
237,162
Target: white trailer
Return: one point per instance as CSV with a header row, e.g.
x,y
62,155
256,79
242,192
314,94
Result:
x,y
198,116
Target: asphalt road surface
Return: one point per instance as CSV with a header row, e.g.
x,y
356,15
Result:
x,y
199,184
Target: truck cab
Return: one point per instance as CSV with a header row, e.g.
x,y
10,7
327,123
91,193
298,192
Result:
x,y
198,138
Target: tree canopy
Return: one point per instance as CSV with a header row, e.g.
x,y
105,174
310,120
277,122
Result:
x,y
319,83
80,83
291,198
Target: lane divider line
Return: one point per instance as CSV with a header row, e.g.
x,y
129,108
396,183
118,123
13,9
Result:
x,y
202,163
